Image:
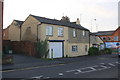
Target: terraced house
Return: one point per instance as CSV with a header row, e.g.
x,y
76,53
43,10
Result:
x,y
13,31
65,38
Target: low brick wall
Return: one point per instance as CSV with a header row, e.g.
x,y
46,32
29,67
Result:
x,y
22,47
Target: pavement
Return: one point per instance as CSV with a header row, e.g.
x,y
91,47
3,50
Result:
x,y
22,61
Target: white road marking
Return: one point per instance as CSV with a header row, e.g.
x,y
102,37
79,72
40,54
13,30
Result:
x,y
102,63
47,77
117,62
60,74
92,69
111,64
72,70
37,77
104,67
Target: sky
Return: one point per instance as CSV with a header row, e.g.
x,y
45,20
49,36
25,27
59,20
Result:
x,y
95,15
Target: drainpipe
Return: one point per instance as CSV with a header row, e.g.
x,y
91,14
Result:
x,y
20,32
89,39
37,30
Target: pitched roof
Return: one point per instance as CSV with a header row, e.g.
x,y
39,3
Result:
x,y
19,22
58,22
100,33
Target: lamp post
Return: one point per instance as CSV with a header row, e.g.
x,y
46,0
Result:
x,y
93,24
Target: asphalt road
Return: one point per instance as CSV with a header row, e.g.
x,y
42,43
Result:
x,y
97,68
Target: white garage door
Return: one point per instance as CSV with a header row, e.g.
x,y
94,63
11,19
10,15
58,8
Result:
x,y
55,50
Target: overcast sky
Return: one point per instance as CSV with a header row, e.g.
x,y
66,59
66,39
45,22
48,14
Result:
x,y
104,11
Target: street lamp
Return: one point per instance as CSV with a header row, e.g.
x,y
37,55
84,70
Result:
x,y
93,24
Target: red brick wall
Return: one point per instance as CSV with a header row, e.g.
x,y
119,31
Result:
x,y
116,33
22,47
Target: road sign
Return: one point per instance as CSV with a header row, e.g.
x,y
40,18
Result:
x,y
117,44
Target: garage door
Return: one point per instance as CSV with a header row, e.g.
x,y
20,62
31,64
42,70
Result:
x,y
55,50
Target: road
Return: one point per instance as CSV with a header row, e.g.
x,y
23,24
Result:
x,y
98,68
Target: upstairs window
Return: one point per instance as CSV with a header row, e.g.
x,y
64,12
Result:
x,y
60,31
116,38
104,38
109,39
49,30
74,33
84,33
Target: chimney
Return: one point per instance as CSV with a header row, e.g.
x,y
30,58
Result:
x,y
67,19
78,21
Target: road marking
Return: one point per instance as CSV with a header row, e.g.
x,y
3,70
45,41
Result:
x,y
60,74
111,64
104,67
117,62
29,68
92,69
47,77
102,63
37,77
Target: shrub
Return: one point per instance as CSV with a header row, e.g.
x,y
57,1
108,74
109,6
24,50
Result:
x,y
106,51
93,51
42,49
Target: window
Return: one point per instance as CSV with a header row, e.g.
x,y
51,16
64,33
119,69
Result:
x,y
116,38
104,38
49,30
60,31
74,49
74,33
109,39
86,48
4,34
84,33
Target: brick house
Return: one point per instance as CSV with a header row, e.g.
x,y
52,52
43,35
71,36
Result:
x,y
13,31
110,38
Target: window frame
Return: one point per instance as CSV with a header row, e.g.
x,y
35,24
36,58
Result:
x,y
115,38
74,48
60,31
74,33
84,33
48,32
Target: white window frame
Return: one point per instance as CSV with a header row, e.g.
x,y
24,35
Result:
x,y
60,31
84,33
49,30
4,35
74,33
74,48
115,38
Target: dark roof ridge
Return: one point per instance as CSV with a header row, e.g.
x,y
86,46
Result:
x,y
18,20
58,22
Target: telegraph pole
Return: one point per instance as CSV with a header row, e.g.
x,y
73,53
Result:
x,y
1,25
1,38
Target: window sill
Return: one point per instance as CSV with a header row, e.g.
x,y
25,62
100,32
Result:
x,y
49,35
60,36
75,51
